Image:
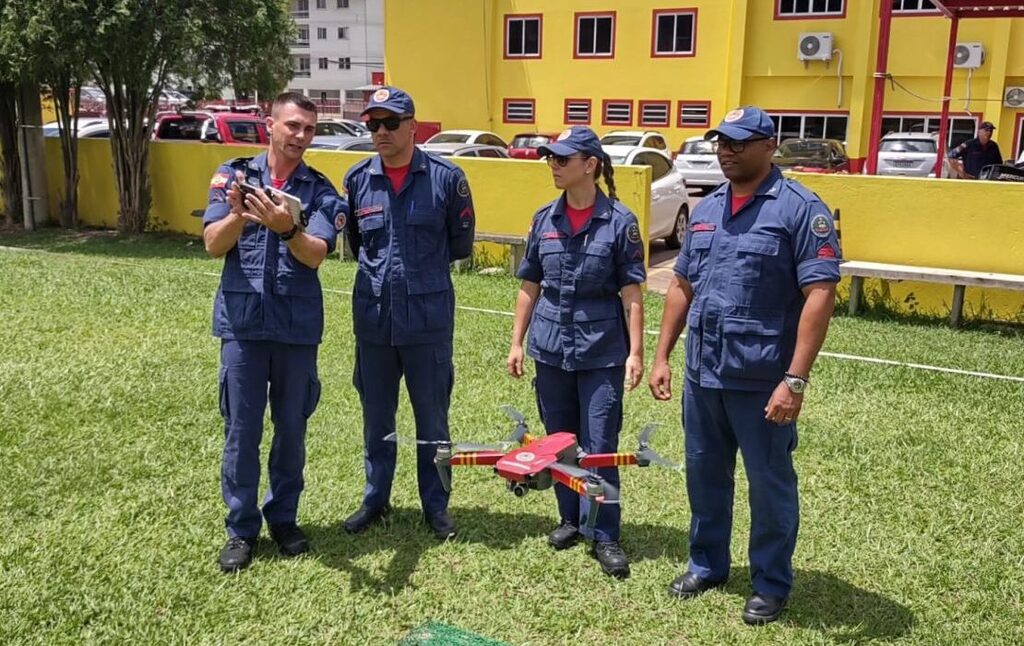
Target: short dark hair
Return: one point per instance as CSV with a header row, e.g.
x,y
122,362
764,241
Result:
x,y
293,98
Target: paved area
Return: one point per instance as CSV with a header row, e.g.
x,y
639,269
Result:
x,y
663,260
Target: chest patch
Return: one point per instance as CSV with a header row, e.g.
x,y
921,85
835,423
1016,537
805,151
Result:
x,y
552,235
370,210
698,227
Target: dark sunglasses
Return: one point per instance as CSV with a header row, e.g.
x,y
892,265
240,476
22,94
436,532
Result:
x,y
562,161
735,145
391,123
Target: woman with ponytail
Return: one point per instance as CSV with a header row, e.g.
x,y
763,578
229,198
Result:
x,y
580,299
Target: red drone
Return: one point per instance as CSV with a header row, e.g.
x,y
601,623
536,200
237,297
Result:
x,y
539,462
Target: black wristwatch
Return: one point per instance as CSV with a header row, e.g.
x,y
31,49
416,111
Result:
x,y
291,234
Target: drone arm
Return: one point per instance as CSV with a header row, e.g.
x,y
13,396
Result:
x,y
608,460
478,459
576,484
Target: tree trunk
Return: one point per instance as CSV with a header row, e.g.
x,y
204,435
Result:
x,y
127,111
34,187
10,171
67,97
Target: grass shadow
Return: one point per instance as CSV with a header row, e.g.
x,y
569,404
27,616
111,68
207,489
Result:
x,y
840,611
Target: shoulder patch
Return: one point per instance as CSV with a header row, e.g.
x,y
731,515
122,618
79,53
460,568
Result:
x,y
463,187
340,221
821,225
219,180
633,233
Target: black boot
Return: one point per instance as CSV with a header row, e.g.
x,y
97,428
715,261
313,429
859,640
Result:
x,y
289,538
564,536
237,554
364,517
611,557
443,526
763,609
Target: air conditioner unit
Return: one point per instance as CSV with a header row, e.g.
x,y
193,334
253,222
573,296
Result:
x,y
815,46
969,55
1014,97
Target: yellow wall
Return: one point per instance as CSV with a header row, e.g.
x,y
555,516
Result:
x,y
506,193
975,226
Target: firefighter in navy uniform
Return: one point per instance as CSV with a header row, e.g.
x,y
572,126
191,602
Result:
x,y
412,215
582,270
755,282
268,313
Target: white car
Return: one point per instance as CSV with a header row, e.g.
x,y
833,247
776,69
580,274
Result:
x,y
340,128
620,142
88,128
671,203
467,137
910,154
698,164
342,142
466,150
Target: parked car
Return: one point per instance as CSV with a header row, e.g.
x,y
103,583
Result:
x,y
88,128
467,137
626,139
670,200
466,150
343,142
812,156
697,162
214,127
910,154
525,145
341,128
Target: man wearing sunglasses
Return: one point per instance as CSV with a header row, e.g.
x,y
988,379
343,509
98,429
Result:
x,y
412,215
755,281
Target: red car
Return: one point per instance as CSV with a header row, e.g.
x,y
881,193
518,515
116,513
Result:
x,y
525,145
211,127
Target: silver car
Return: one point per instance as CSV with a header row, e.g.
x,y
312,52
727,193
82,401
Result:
x,y
910,154
697,162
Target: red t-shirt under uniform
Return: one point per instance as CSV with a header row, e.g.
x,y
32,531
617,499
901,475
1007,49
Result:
x,y
397,176
578,217
739,201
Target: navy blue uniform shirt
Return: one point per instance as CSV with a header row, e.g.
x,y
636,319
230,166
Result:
x,y
578,322
747,271
404,241
265,293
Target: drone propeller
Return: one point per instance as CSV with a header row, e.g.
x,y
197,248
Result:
x,y
645,454
519,434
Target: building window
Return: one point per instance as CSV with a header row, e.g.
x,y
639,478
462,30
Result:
x,y
617,113
522,36
960,128
342,33
694,114
595,35
809,126
322,63
577,112
321,33
675,33
302,38
913,6
809,8
345,63
321,4
301,66
301,9
343,4
654,113
518,110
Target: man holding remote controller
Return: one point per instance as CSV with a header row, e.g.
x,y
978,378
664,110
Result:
x,y
269,315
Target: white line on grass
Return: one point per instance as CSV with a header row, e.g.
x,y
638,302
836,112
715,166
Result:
x,y
831,355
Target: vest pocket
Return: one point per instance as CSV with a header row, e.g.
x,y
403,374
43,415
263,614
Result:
x,y
751,347
753,250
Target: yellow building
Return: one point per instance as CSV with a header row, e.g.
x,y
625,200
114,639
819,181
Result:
x,y
513,66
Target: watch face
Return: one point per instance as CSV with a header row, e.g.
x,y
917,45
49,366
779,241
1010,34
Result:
x,y
796,385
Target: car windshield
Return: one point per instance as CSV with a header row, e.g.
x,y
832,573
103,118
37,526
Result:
x,y
701,147
617,159
530,141
620,140
448,138
812,149
246,131
908,146
186,128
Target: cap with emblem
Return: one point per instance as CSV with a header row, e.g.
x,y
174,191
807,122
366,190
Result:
x,y
392,99
986,125
744,123
578,139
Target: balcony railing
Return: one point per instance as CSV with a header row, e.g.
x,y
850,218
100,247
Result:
x,y
301,74
300,14
300,43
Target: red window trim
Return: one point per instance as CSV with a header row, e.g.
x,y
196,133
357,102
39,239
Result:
x,y
916,13
679,114
818,16
540,36
504,109
640,113
604,112
654,31
576,33
590,112
1018,124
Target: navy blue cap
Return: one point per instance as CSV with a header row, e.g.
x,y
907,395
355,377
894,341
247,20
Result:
x,y
986,125
744,123
578,139
391,98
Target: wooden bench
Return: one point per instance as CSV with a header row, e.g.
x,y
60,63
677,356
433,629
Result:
x,y
517,246
960,279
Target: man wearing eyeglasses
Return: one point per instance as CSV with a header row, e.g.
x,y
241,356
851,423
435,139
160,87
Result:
x,y
755,281
412,215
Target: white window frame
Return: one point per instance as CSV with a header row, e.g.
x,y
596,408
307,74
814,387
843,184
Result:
x,y
522,20
321,33
900,6
934,119
658,15
345,63
322,63
810,13
342,4
611,43
803,122
321,4
342,33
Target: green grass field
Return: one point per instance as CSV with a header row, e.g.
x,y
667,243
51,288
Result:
x,y
110,442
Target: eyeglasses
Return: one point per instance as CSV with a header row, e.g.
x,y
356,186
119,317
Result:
x,y
562,161
735,145
391,123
